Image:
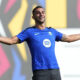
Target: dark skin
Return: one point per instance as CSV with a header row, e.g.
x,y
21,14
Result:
x,y
39,18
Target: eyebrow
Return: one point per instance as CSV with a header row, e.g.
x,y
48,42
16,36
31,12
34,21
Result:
x,y
38,11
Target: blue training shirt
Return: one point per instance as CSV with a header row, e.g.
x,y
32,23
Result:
x,y
42,46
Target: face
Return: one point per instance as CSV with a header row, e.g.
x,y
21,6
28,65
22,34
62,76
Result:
x,y
39,15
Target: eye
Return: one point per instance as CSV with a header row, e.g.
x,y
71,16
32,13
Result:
x,y
37,12
43,12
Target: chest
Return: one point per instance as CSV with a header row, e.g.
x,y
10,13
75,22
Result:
x,y
40,36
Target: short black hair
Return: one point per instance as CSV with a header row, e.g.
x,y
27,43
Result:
x,y
36,8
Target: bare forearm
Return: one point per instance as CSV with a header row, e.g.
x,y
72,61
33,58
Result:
x,y
5,40
8,41
71,38
75,37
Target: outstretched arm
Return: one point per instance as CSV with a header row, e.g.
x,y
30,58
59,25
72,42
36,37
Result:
x,y
9,41
71,38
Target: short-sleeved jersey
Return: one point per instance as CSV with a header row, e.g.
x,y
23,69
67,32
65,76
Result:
x,y
42,46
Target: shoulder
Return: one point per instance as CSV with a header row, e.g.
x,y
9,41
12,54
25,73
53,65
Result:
x,y
29,29
52,29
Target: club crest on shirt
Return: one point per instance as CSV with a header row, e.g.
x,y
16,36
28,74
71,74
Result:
x,y
50,33
47,43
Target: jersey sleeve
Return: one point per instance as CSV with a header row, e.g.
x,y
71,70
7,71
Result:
x,y
58,35
24,35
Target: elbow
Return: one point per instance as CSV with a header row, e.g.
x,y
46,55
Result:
x,y
10,43
69,41
67,38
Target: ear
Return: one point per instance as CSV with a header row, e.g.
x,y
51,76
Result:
x,y
33,17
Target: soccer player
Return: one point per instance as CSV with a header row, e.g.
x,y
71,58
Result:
x,y
41,41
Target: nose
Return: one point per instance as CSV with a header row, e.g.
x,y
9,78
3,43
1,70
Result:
x,y
41,14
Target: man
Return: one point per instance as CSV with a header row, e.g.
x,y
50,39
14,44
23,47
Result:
x,y
41,41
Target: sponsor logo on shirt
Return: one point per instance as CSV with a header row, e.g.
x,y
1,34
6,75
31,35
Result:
x,y
47,43
36,34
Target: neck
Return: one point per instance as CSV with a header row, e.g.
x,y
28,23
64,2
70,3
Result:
x,y
40,26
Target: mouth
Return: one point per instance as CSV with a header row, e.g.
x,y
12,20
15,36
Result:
x,y
42,18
